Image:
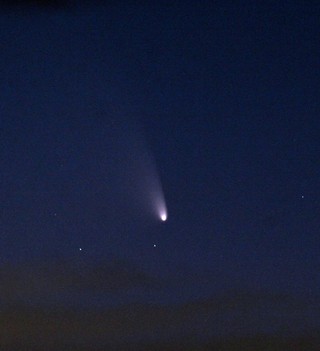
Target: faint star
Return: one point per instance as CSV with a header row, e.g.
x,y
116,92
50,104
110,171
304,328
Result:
x,y
302,197
80,249
154,245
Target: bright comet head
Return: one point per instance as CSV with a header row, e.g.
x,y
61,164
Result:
x,y
163,217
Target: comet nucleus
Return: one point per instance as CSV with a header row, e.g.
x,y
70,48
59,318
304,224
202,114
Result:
x,y
163,217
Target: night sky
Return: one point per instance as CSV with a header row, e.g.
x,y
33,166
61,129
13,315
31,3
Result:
x,y
108,106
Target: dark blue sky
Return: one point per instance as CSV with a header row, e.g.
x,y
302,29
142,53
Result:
x,y
224,96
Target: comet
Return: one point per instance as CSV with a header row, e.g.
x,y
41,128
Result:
x,y
157,197
163,213
163,217
151,185
144,181
156,194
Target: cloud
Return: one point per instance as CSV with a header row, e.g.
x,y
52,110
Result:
x,y
36,315
235,319
40,280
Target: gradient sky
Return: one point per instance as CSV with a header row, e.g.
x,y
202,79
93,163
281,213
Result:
x,y
219,99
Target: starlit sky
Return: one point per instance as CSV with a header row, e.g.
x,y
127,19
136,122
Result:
x,y
159,175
